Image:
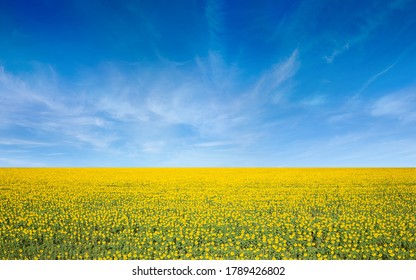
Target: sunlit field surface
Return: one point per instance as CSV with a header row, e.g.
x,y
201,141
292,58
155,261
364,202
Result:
x,y
207,213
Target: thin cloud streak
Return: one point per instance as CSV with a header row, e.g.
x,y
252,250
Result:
x,y
274,82
372,21
375,77
23,143
336,52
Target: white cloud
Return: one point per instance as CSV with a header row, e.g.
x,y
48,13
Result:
x,y
275,81
215,20
39,104
315,100
375,77
336,52
213,144
167,110
400,105
371,21
23,143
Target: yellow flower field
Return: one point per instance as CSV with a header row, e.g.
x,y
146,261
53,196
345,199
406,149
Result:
x,y
207,213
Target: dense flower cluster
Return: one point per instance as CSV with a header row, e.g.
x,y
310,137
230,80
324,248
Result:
x,y
207,213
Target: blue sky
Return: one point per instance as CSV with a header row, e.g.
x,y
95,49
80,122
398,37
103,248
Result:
x,y
207,83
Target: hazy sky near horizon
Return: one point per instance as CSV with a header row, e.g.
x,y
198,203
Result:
x,y
207,83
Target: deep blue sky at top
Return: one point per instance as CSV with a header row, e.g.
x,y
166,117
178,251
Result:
x,y
207,83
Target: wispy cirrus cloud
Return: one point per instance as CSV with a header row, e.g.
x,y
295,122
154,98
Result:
x,y
214,14
315,100
36,106
131,114
275,83
370,20
375,77
23,143
167,108
213,144
336,52
399,105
